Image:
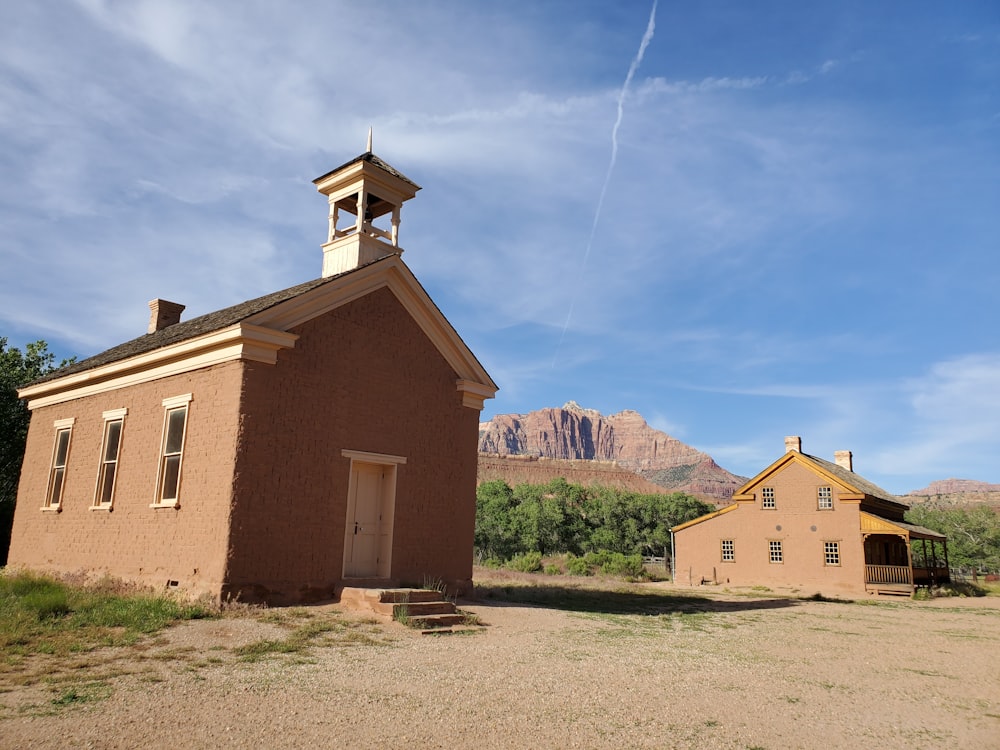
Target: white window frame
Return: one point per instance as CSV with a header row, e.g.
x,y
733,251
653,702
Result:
x,y
767,500
831,554
824,498
110,417
728,550
776,551
53,496
171,405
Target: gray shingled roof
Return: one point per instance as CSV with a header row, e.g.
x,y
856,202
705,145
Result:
x,y
213,321
369,157
856,480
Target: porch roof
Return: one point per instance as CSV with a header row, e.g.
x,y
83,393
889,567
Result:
x,y
878,525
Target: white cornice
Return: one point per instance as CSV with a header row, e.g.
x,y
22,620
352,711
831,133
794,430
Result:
x,y
260,336
238,342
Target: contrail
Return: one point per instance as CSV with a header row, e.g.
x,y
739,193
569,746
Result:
x,y
636,62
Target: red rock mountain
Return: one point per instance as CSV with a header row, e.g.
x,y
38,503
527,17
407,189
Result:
x,y
956,493
955,486
573,432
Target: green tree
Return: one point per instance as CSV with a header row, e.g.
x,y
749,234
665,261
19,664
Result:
x,y
17,368
497,536
973,533
560,517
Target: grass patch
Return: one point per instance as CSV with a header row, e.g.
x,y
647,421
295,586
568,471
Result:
x,y
322,631
42,615
86,693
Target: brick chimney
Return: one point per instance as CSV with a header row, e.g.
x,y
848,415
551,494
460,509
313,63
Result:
x,y
793,443
844,459
163,314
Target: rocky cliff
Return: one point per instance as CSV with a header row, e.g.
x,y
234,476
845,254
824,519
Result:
x,y
957,493
573,432
955,486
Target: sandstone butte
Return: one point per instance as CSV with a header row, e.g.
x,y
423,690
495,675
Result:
x,y
572,433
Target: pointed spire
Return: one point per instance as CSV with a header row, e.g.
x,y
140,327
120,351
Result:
x,y
369,149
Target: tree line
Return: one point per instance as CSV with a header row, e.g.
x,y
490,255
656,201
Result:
x,y
973,533
559,517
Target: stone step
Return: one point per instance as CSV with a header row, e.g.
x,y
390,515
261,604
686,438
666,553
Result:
x,y
412,609
409,595
432,622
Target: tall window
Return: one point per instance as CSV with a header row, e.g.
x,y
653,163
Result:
x,y
831,553
171,455
767,497
728,550
777,555
825,498
60,455
113,423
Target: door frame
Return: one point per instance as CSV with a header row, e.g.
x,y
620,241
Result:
x,y
389,464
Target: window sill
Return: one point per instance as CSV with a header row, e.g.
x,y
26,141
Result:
x,y
174,504
51,509
106,507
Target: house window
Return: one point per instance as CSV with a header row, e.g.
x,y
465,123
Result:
x,y
113,423
774,548
728,550
171,454
60,455
831,553
825,498
767,497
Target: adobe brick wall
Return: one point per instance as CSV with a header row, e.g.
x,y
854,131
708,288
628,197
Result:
x,y
133,541
697,549
363,377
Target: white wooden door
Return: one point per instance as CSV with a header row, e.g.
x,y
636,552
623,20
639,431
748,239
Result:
x,y
364,522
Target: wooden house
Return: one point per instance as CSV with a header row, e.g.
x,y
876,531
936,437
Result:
x,y
813,525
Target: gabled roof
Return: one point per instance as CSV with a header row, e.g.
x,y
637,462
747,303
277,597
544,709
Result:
x,y
188,329
256,330
706,517
853,484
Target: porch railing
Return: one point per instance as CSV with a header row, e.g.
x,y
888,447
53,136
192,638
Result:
x,y
928,576
888,574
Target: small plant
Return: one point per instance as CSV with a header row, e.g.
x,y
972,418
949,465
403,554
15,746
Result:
x,y
401,614
433,583
552,570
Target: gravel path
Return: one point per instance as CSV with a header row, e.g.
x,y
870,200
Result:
x,y
760,673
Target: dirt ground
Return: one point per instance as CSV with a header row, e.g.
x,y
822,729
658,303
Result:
x,y
725,671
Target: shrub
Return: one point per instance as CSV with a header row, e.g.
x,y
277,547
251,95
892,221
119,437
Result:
x,y
552,570
529,562
577,566
627,566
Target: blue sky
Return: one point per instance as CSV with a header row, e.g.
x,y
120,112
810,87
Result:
x,y
798,233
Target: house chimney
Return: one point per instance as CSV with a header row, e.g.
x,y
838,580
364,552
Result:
x,y
162,314
844,460
793,443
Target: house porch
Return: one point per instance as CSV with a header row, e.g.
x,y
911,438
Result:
x,y
900,557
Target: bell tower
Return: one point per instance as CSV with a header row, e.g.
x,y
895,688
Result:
x,y
362,192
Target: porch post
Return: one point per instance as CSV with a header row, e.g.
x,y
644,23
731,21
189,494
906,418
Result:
x,y
934,564
909,557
